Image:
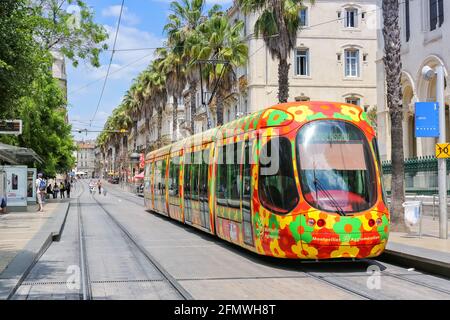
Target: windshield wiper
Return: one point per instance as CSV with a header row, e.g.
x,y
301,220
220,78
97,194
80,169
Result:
x,y
339,210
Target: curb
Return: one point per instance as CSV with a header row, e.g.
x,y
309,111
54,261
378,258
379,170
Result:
x,y
420,263
19,268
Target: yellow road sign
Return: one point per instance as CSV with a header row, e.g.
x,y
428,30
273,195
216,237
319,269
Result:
x,y
442,150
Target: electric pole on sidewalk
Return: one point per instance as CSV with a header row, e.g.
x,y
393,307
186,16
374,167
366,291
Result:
x,y
428,74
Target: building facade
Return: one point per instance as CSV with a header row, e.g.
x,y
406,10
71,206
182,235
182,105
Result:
x,y
334,60
425,36
86,158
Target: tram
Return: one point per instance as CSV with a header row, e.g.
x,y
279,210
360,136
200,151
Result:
x,y
298,180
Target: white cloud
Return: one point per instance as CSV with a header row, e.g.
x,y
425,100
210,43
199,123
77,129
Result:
x,y
127,17
126,64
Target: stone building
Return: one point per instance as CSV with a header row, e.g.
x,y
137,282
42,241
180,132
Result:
x,y
86,158
425,35
334,60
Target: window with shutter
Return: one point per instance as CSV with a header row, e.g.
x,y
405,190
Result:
x,y
433,14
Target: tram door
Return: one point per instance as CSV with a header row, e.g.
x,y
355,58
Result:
x,y
246,194
203,188
160,186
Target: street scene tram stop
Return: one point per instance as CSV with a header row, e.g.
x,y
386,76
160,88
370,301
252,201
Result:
x,y
16,179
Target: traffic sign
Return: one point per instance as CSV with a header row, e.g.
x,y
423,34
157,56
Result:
x,y
427,119
11,127
442,150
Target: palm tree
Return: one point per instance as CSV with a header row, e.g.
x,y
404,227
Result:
x,y
278,23
182,23
393,69
172,66
219,40
157,93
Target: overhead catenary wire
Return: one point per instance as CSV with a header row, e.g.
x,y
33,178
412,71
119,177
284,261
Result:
x,y
110,61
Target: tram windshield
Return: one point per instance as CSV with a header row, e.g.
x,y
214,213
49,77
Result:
x,y
336,167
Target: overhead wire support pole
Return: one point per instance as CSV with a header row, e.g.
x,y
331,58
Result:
x,y
442,163
216,85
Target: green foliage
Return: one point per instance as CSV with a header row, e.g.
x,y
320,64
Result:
x,y
75,34
20,56
29,31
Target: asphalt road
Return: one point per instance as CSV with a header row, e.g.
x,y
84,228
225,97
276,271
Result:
x,y
125,252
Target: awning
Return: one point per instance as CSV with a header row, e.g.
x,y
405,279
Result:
x,y
140,175
18,155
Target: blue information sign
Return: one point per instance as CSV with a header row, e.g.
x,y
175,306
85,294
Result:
x,y
427,119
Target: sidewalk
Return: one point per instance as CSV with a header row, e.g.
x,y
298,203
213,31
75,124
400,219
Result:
x,y
428,252
24,237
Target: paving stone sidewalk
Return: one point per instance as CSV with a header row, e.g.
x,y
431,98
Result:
x,y
24,236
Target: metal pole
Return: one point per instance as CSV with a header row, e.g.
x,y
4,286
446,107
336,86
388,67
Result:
x,y
442,164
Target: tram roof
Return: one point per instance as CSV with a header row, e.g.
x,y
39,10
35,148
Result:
x,y
291,114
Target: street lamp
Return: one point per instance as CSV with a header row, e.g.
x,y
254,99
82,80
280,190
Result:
x,y
428,74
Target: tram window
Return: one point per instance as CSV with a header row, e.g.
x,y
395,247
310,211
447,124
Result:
x,y
277,188
174,175
380,169
163,176
221,186
204,175
187,178
194,178
234,180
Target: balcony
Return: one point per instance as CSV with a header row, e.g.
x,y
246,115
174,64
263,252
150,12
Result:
x,y
200,113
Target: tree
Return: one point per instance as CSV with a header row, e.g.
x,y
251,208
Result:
x,y
393,69
221,41
73,33
173,66
181,27
20,55
279,24
44,126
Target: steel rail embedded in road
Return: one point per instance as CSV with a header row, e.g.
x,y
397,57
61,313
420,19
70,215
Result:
x,y
86,292
166,275
403,278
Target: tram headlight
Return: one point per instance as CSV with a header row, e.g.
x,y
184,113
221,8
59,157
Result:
x,y
311,222
320,223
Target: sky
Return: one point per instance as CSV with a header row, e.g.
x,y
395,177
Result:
x,y
141,27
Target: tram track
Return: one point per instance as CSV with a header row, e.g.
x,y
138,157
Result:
x,y
86,290
163,272
326,278
400,277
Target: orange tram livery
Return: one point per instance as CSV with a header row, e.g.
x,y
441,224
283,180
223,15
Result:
x,y
322,199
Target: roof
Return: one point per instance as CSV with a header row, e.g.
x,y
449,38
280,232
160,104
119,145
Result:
x,y
18,155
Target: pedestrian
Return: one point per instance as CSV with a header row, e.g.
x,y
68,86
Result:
x,y
68,187
99,184
62,190
55,190
40,186
3,204
49,191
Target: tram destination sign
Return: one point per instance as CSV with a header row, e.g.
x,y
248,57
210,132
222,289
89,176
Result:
x,y
427,120
11,127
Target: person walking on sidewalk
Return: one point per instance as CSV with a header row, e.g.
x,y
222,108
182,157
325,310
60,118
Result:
x,y
99,185
40,191
68,187
62,190
55,190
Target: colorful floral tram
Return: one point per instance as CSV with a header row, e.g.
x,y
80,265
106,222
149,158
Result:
x,y
297,180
